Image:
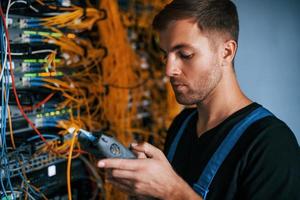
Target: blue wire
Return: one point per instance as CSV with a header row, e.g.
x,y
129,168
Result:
x,y
33,65
34,25
49,125
4,106
37,84
36,40
29,21
44,135
35,69
35,79
3,145
7,73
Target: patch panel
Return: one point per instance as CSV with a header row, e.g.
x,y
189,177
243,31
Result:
x,y
45,119
32,164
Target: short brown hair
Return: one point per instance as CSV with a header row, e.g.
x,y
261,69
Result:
x,y
219,16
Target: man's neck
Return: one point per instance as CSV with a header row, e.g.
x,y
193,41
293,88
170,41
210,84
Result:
x,y
223,101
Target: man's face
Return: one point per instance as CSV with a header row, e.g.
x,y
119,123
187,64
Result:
x,y
192,63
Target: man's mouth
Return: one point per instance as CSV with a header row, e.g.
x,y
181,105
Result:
x,y
178,86
177,83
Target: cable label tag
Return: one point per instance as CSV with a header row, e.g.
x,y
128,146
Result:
x,y
51,170
9,21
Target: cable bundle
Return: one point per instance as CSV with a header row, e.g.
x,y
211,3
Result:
x,y
106,68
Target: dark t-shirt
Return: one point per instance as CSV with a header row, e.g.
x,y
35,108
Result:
x,y
264,164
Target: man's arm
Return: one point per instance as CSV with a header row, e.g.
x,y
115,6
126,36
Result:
x,y
150,175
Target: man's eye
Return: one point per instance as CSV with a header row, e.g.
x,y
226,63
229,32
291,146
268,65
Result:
x,y
185,55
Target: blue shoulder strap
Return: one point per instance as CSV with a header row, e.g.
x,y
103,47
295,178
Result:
x,y
174,144
203,183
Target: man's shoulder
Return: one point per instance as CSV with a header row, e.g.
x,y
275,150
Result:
x,y
271,129
266,159
271,158
270,141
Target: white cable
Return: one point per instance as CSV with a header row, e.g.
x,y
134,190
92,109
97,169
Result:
x,y
20,1
5,58
10,4
30,196
17,54
4,37
7,11
4,64
34,9
33,52
43,51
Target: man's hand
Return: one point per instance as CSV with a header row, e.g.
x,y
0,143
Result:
x,y
149,175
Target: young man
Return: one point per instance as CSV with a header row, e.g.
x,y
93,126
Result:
x,y
200,39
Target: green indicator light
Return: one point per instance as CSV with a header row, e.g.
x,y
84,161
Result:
x,y
42,60
43,33
56,34
30,75
30,32
59,74
30,61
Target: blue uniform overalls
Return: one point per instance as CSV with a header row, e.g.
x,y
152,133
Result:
x,y
205,179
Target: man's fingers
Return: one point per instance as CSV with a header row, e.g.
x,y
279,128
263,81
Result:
x,y
148,149
123,174
139,154
116,163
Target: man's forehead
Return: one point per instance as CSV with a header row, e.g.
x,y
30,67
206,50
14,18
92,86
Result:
x,y
180,34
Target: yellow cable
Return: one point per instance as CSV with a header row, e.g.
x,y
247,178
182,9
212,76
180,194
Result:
x,y
11,129
69,165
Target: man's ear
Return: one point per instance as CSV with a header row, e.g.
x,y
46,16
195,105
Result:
x,y
229,51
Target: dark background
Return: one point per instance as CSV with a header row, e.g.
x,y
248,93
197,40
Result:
x,y
268,59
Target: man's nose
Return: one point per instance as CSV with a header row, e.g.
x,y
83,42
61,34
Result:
x,y
172,68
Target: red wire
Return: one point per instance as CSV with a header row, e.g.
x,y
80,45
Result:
x,y
31,108
14,87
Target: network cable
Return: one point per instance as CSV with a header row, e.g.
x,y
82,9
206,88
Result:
x,y
4,105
